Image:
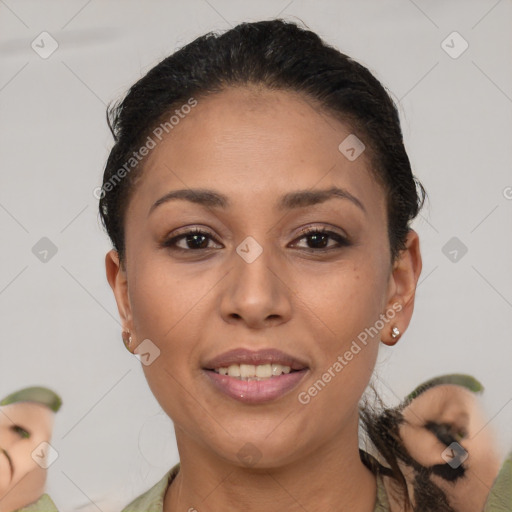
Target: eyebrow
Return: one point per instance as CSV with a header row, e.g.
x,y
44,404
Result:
x,y
292,200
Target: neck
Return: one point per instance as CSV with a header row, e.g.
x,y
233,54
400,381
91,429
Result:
x,y
332,478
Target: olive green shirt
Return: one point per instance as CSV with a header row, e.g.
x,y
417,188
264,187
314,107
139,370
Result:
x,y
43,504
153,500
500,496
499,499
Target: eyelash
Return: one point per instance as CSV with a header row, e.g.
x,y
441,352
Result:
x,y
445,432
20,431
341,240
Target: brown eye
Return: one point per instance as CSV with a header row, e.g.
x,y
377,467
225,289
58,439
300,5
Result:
x,y
317,239
193,240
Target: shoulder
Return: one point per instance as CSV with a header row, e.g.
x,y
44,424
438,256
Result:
x,y
500,496
43,504
153,499
382,502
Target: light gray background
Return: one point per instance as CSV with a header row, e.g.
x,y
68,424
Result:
x,y
59,322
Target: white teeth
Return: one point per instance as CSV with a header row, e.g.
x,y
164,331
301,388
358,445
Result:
x,y
247,370
277,369
234,370
253,372
263,371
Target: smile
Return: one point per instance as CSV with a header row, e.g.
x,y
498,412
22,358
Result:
x,y
256,390
255,377
249,372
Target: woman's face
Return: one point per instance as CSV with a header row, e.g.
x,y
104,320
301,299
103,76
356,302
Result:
x,y
462,429
254,280
23,427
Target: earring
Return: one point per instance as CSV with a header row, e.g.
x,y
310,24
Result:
x,y
395,332
127,339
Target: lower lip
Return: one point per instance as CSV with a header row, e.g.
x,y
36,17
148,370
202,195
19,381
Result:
x,y
256,391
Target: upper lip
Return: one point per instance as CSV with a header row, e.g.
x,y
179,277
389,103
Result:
x,y
255,357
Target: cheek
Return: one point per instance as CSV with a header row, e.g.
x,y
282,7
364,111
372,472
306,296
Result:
x,y
175,390
163,294
158,299
21,456
168,309
345,302
342,313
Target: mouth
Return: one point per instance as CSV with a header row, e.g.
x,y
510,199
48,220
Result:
x,y
255,377
249,372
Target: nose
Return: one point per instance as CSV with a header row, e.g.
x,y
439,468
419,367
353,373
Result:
x,y
256,290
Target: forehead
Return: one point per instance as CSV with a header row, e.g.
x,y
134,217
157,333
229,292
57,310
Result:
x,y
251,141
441,399
25,413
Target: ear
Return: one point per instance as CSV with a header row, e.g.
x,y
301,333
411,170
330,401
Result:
x,y
117,278
402,287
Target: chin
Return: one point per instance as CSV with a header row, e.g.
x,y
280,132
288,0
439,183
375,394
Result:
x,y
259,451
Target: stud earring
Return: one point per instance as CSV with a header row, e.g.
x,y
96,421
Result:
x,y
127,339
395,332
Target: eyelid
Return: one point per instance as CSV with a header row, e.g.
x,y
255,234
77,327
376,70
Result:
x,y
322,228
340,239
190,229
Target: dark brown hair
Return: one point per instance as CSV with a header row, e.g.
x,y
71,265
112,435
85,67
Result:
x,y
275,54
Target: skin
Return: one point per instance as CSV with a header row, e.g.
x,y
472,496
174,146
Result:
x,y
460,408
25,482
255,145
